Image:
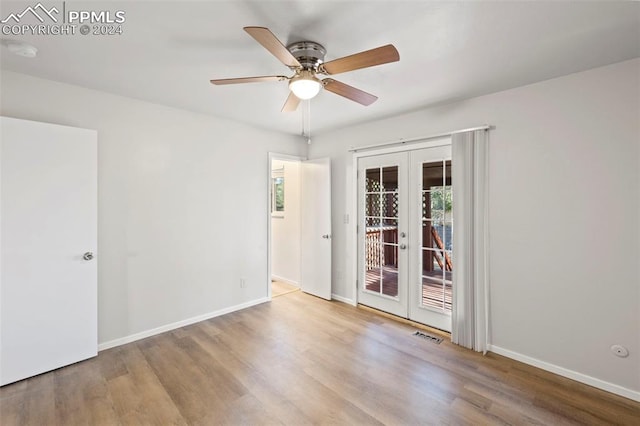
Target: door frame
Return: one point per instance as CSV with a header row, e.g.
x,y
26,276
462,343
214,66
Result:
x,y
352,169
271,157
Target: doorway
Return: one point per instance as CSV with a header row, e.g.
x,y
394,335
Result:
x,y
303,250
404,234
285,226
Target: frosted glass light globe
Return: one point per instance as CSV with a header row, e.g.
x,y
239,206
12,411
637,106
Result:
x,y
305,86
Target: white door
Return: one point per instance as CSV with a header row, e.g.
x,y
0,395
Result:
x,y
405,226
315,227
431,231
382,232
48,227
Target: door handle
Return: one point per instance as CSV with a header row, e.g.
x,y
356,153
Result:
x,y
326,236
88,256
403,246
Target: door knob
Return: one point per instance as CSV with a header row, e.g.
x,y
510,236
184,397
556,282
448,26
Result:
x,y
88,256
326,236
403,246
402,234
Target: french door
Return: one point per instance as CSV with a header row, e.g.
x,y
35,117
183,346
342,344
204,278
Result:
x,y
383,232
405,229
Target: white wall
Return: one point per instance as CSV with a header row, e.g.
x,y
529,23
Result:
x,y
182,204
564,214
285,228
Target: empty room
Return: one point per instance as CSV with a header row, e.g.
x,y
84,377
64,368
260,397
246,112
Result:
x,y
319,212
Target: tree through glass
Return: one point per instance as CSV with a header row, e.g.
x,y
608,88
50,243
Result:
x,y
437,236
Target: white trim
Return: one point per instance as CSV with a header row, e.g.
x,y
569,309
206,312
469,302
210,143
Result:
x,y
342,299
561,371
285,280
402,141
353,227
416,145
285,157
168,327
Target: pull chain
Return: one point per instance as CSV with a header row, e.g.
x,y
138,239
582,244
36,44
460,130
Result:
x,y
306,122
309,122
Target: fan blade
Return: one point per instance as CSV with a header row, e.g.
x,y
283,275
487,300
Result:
x,y
248,79
349,92
369,58
273,45
291,104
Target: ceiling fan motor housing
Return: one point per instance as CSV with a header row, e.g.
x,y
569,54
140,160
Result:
x,y
310,54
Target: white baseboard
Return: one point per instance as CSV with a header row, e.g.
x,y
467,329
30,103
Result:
x,y
285,280
178,324
342,299
561,371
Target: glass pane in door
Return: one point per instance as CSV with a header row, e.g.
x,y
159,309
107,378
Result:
x,y
390,178
372,183
437,233
373,266
381,223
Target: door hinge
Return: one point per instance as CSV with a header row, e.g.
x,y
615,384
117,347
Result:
x,y
357,284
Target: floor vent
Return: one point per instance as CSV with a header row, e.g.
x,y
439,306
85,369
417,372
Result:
x,y
429,337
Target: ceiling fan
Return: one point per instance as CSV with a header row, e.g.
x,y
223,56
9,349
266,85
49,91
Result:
x,y
306,60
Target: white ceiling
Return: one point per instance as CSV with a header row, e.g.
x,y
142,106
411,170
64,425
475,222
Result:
x,y
448,51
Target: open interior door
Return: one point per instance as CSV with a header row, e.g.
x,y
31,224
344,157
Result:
x,y
315,259
48,227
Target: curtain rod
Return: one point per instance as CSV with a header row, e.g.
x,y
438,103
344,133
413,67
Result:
x,y
420,138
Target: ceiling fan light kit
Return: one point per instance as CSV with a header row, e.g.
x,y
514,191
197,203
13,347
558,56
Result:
x,y
305,85
306,60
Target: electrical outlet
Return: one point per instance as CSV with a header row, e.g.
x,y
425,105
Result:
x,y
243,283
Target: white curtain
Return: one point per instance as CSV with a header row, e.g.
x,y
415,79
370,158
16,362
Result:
x,y
470,156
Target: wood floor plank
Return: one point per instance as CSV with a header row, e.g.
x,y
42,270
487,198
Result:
x,y
279,288
139,396
261,388
32,404
81,395
300,360
185,382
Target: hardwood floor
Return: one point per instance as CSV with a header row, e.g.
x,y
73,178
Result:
x,y
302,360
279,288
